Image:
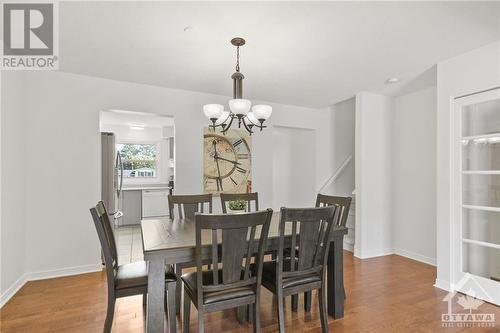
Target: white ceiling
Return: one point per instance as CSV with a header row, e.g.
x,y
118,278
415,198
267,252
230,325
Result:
x,y
301,53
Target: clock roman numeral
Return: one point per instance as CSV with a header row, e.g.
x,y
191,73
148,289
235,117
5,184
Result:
x,y
241,170
237,143
234,182
243,156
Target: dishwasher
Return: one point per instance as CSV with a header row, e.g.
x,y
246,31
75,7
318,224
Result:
x,y
154,203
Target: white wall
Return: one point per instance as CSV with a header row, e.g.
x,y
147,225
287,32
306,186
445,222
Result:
x,y
414,175
374,232
63,159
294,173
468,73
343,139
13,188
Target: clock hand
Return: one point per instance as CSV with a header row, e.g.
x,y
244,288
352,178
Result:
x,y
219,180
225,159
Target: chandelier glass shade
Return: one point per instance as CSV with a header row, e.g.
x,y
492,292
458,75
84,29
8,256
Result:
x,y
240,109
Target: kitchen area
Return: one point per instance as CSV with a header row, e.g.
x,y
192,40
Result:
x,y
138,173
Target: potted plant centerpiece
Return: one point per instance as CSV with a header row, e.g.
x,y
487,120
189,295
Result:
x,y
237,206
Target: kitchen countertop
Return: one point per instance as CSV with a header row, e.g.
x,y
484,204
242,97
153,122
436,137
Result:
x,y
146,187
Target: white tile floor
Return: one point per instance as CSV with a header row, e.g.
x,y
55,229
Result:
x,y
129,244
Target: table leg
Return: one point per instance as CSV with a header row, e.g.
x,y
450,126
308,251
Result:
x,y
156,296
335,278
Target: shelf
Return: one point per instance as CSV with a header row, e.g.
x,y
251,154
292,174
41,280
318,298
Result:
x,y
483,136
486,208
485,244
481,172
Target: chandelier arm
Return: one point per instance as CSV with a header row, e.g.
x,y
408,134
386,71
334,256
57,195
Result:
x,y
246,126
225,129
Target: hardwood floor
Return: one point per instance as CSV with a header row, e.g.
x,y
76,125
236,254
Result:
x,y
385,294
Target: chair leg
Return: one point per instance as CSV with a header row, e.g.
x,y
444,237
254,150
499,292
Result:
x,y
144,299
256,316
186,314
307,301
281,312
109,314
322,310
172,324
201,324
343,291
178,289
295,302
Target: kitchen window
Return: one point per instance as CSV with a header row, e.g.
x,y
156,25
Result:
x,y
140,160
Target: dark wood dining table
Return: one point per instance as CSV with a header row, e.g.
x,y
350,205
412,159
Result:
x,y
172,241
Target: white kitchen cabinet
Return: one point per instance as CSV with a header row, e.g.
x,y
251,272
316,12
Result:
x,y
154,203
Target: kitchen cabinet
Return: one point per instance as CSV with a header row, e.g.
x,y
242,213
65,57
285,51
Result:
x,y
155,203
132,207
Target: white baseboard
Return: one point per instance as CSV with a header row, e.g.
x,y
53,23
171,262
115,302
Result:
x,y
42,275
441,284
416,256
348,246
13,289
373,254
55,273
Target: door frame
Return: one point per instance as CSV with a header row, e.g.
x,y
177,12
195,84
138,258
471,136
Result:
x,y
490,288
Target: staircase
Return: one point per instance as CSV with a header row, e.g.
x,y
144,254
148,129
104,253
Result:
x,y
351,220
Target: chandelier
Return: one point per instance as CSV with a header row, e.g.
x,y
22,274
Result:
x,y
238,106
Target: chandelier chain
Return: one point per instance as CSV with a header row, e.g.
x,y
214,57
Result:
x,y
237,58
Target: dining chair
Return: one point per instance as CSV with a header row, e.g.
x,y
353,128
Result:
x,y
248,197
304,271
128,279
187,206
232,285
343,204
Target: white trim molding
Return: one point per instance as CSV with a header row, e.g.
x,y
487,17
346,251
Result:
x,y
55,273
42,275
444,285
13,289
348,246
416,256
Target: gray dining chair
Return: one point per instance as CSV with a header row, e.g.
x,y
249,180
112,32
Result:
x,y
187,206
287,276
232,285
248,197
128,279
343,203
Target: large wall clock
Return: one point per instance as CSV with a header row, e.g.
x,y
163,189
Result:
x,y
227,162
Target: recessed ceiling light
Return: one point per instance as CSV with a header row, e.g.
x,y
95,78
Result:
x,y
392,80
188,28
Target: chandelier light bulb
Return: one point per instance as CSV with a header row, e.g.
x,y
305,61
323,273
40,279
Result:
x,y
239,106
262,112
213,111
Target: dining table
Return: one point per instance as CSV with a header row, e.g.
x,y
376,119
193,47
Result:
x,y
172,241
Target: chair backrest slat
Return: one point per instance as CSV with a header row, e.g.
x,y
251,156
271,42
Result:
x,y
248,197
343,203
237,245
314,233
188,205
108,229
215,257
